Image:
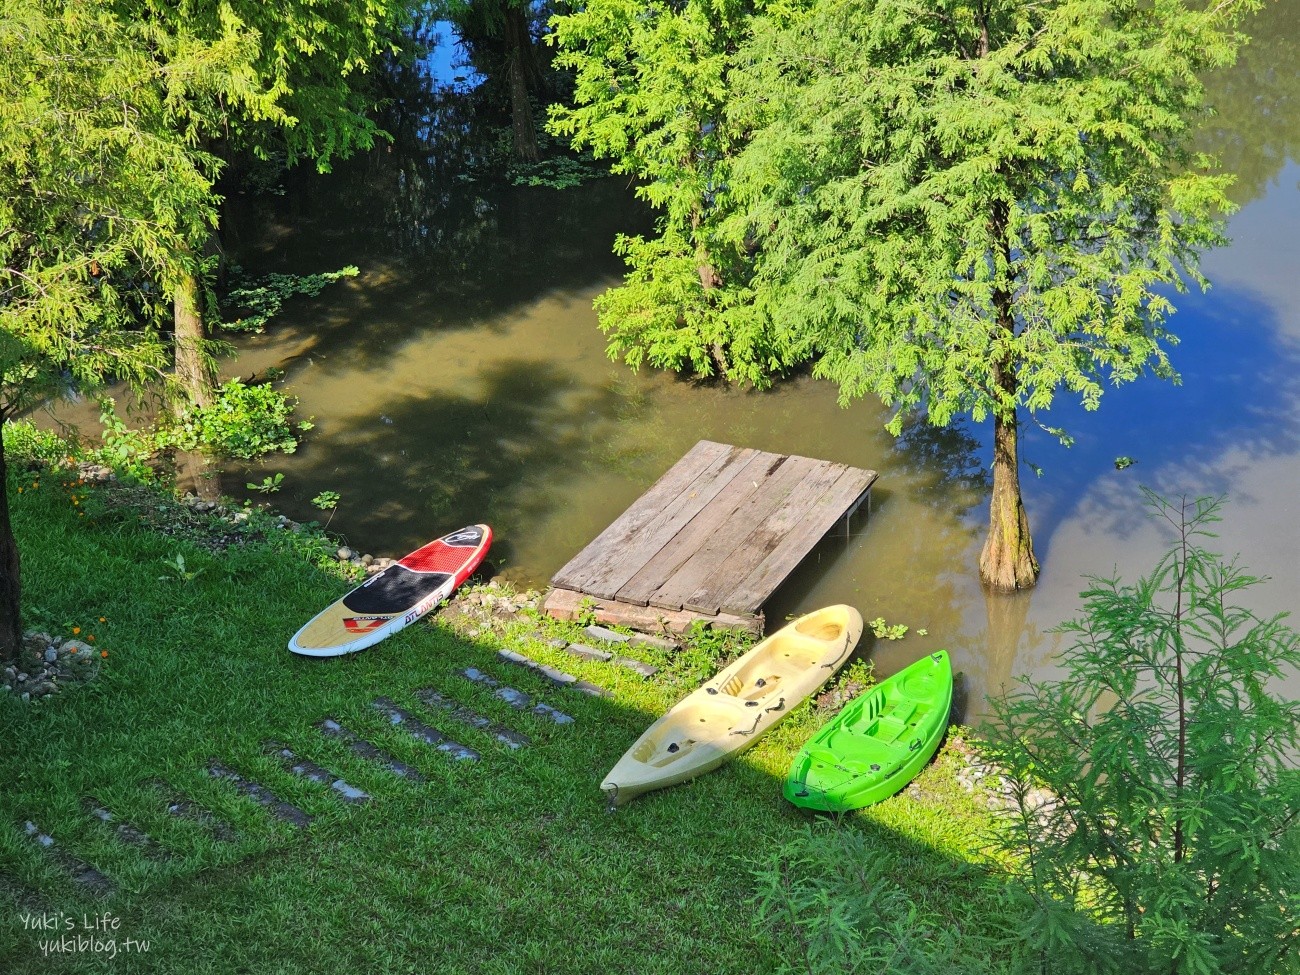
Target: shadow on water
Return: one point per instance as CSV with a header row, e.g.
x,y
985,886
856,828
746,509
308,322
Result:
x,y
495,455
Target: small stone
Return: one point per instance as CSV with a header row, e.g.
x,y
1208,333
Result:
x,y
51,655
657,642
240,517
345,554
601,633
367,560
21,677
586,652
26,696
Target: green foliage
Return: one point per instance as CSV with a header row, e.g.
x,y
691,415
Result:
x,y
23,440
295,92
270,484
1156,784
176,570
127,451
244,422
888,631
834,904
263,298
558,172
326,500
652,93
102,190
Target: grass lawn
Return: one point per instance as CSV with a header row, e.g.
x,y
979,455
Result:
x,y
510,864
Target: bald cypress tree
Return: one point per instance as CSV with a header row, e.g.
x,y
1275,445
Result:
x,y
959,207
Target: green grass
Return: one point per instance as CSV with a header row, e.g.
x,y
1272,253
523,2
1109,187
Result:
x,y
507,865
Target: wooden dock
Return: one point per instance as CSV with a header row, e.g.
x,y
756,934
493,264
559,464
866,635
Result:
x,y
711,539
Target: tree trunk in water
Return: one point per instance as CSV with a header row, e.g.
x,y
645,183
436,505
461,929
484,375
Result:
x,y
1007,562
193,370
519,47
11,627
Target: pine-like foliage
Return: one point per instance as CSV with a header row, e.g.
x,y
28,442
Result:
x,y
1156,784
968,207
101,190
653,86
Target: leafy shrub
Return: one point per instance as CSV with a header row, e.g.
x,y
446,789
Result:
x,y
244,422
23,440
1155,786
263,298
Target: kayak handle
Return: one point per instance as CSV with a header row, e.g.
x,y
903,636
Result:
x,y
848,646
778,706
916,743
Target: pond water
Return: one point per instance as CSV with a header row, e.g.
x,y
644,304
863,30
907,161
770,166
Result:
x,y
461,377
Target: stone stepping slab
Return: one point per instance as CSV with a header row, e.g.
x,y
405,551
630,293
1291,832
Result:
x,y
557,677
81,872
315,773
183,808
126,832
426,733
635,640
261,795
438,701
25,897
591,653
367,750
515,698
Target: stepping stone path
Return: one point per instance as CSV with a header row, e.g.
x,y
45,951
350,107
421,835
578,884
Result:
x,y
367,750
261,795
80,871
438,701
314,773
183,808
556,677
426,733
127,833
515,698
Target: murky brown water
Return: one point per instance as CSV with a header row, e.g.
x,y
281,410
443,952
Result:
x,y
462,378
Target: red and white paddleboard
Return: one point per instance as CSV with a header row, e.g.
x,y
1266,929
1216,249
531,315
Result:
x,y
395,598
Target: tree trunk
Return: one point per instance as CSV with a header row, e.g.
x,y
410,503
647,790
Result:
x,y
193,369
519,51
1007,562
11,627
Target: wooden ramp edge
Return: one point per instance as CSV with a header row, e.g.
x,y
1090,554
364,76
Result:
x,y
566,604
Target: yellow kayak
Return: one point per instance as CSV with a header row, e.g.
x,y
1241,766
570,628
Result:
x,y
730,712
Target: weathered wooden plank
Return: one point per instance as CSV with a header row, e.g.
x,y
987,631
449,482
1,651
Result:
x,y
731,549
566,604
764,535
693,534
631,539
813,523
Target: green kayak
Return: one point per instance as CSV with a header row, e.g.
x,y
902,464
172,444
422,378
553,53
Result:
x,y
878,743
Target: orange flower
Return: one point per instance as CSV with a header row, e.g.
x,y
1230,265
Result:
x,y
91,638
103,653
103,619
76,630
